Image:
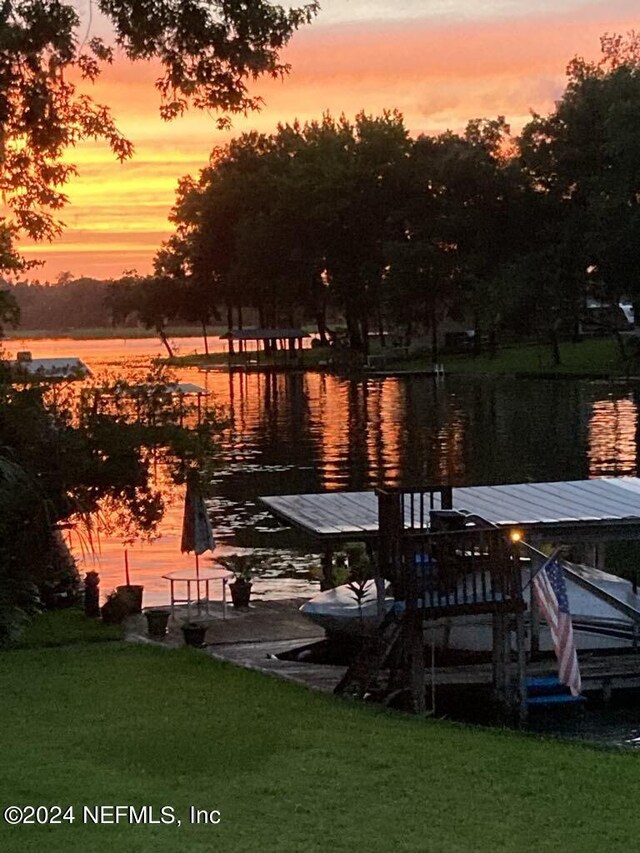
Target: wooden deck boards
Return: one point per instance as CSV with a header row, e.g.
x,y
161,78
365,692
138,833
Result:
x,y
261,657
253,638
602,674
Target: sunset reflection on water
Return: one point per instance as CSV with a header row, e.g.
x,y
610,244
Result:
x,y
613,438
310,432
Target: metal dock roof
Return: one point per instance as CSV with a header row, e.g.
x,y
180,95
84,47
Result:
x,y
607,508
62,367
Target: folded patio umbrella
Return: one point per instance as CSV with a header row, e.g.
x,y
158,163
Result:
x,y
197,535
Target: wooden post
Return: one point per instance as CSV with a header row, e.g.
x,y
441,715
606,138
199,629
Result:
x,y
446,498
327,568
415,649
414,623
390,527
521,687
534,613
499,680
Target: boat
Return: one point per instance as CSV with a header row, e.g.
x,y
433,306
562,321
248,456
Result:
x,y
605,612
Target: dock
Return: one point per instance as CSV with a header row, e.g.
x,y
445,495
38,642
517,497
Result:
x,y
255,638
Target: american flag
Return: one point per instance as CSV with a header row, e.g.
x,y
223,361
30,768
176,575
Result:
x,y
551,594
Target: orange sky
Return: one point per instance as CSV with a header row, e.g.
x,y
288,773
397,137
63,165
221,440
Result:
x,y
464,60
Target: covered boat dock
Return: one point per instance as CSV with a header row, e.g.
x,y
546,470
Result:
x,y
459,531
267,342
576,511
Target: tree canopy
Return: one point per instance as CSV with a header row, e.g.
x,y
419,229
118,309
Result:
x,y
209,52
384,231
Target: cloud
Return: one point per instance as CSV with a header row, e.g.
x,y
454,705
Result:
x,y
458,60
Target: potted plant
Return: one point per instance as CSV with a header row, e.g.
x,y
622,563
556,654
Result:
x,y
194,633
115,609
157,621
243,567
130,593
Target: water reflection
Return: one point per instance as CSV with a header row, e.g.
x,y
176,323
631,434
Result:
x,y
613,438
306,432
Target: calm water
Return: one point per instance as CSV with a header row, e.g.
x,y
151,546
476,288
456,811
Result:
x,y
306,432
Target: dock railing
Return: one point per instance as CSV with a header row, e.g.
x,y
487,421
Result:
x,y
443,563
440,565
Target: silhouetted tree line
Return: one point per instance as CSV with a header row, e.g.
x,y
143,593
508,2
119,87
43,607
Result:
x,y
359,220
69,304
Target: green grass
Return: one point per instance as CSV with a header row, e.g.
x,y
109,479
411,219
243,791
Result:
x,y
66,627
289,770
590,357
595,356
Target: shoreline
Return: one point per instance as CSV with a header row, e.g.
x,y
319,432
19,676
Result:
x,y
590,359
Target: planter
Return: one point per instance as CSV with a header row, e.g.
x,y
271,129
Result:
x,y
240,593
157,621
194,634
131,596
114,610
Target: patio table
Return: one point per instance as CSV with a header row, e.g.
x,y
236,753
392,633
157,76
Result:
x,y
202,576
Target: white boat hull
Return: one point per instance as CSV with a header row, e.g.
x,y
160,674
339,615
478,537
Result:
x,y
597,623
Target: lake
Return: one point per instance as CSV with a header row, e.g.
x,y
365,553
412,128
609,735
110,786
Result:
x,y
307,432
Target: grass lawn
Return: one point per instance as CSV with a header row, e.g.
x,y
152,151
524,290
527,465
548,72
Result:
x,y
591,356
289,770
66,627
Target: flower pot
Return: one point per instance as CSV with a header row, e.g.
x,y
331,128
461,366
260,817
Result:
x,y
114,610
157,621
194,634
131,595
240,593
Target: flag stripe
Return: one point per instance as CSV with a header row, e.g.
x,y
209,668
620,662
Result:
x,y
551,594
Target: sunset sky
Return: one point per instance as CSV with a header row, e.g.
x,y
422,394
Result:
x,y
441,62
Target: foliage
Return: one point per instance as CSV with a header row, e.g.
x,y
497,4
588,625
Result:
x,y
360,569
115,608
9,311
89,458
154,300
243,566
350,566
283,222
583,160
208,51
70,303
357,220
24,536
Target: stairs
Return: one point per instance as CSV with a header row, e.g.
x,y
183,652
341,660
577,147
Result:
x,y
547,690
363,675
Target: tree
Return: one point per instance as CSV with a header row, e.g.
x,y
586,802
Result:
x,y
460,220
351,191
209,52
9,311
288,221
87,457
584,159
153,299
